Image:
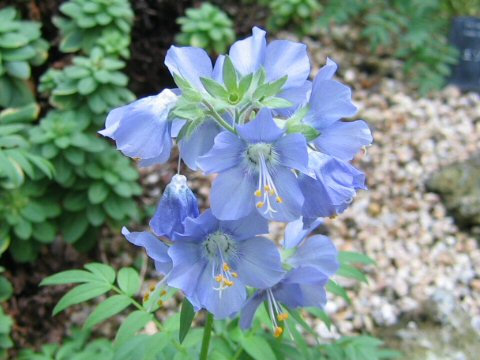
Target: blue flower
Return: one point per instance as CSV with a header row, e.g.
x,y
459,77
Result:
x,y
214,260
177,203
255,171
141,129
330,101
191,64
330,185
313,263
296,231
278,58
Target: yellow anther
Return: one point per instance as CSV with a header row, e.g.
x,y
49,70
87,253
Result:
x,y
333,217
234,274
282,316
258,193
260,204
278,331
160,303
279,200
228,282
152,288
268,188
219,278
146,296
226,267
163,292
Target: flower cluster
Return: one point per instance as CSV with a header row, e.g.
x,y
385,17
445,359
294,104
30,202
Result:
x,y
281,150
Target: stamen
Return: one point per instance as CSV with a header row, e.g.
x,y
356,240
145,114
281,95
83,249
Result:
x,y
234,274
279,200
163,292
146,296
219,278
282,316
160,303
278,331
226,267
258,193
152,288
260,204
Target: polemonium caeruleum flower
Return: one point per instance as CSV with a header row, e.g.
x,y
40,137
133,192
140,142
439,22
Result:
x,y
255,171
177,203
313,263
141,129
296,231
330,101
329,186
214,260
279,58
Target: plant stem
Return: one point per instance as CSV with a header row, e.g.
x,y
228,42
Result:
x,y
237,354
218,118
207,334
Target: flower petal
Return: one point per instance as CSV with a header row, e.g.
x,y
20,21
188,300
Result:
x,y
258,263
289,58
327,71
329,101
319,252
296,232
293,152
260,129
298,96
246,227
344,139
249,54
225,153
217,74
154,247
198,144
232,194
190,63
250,308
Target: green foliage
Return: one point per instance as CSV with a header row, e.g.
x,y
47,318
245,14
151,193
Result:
x,y
90,23
300,14
358,348
21,47
207,27
94,83
6,322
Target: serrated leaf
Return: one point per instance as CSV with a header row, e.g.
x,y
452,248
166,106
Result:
x,y
69,277
80,294
108,308
129,281
187,314
133,323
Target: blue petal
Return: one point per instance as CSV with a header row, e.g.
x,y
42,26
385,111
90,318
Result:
x,y
163,156
188,265
141,129
246,227
298,96
319,252
292,151
292,198
289,294
232,196
260,129
155,248
225,153
327,71
190,63
199,143
258,263
177,203
296,232
329,101
217,74
311,283
195,229
250,308
221,306
344,139
249,54
177,125
289,58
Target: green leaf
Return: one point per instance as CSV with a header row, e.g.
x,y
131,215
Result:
x,y
186,317
355,257
336,289
80,294
107,308
349,271
86,86
13,40
129,281
102,272
229,75
74,227
97,192
70,277
276,103
257,347
133,323
26,113
18,69
33,212
45,232
6,289
214,88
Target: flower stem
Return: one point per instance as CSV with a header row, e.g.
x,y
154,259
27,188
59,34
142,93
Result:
x,y
207,334
219,119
